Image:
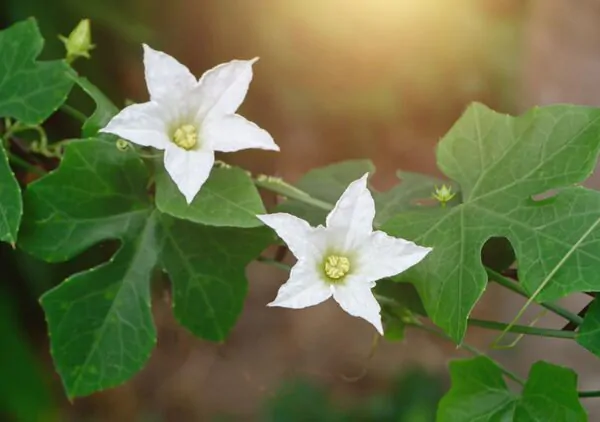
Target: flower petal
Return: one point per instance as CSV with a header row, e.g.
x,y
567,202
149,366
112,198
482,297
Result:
x,y
356,298
304,241
233,133
188,169
224,87
142,124
166,78
353,214
382,256
303,288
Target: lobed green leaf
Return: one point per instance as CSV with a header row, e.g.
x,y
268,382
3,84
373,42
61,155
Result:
x,y
30,90
479,394
100,320
501,163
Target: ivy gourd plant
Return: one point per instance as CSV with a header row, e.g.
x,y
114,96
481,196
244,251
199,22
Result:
x,y
144,181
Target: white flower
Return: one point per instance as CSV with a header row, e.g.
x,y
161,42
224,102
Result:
x,y
191,119
343,259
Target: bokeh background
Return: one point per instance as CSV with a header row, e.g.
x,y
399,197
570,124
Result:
x,y
337,79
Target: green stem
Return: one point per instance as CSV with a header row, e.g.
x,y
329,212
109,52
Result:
x,y
274,263
521,329
470,349
588,394
511,285
285,189
27,166
73,112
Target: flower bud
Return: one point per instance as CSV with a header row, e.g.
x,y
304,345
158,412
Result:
x,y
444,194
79,42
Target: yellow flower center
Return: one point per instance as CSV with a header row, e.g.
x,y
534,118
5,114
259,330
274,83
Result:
x,y
186,137
336,267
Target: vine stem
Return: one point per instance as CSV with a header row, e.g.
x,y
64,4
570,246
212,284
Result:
x,y
589,394
492,325
479,323
73,112
511,285
283,188
521,329
277,185
274,263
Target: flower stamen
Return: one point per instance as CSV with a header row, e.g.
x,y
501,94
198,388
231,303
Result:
x,y
186,137
336,267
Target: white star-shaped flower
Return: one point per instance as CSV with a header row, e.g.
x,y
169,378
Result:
x,y
191,119
344,259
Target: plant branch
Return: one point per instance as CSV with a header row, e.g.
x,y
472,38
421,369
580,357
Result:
x,y
274,263
521,329
73,112
277,185
511,285
589,394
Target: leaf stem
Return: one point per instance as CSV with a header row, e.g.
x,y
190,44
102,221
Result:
x,y
73,112
277,185
521,329
274,263
511,285
589,394
469,348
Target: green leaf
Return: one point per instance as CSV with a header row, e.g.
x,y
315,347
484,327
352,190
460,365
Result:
x,y
100,320
588,334
11,204
105,109
228,198
501,162
329,182
480,394
30,91
550,394
209,282
97,193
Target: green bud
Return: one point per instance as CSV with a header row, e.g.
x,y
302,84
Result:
x,y
443,194
79,42
122,144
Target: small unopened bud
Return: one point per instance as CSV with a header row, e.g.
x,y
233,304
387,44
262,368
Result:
x,y
444,194
122,144
79,41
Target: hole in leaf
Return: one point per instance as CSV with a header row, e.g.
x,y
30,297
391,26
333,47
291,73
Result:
x,y
497,253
